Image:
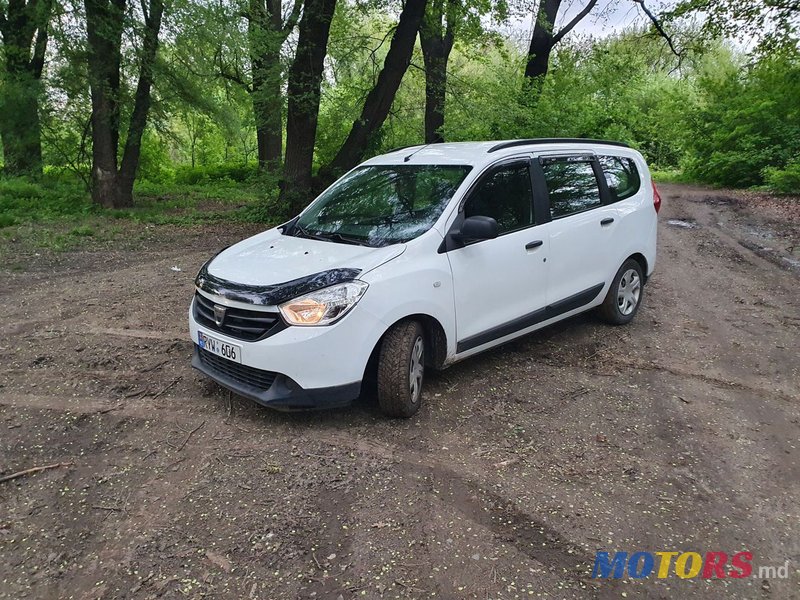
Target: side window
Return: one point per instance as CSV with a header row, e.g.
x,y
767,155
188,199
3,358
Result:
x,y
622,177
572,186
506,196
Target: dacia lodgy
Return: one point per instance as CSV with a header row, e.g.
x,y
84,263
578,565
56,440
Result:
x,y
420,258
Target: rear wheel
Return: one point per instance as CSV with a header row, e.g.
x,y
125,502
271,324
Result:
x,y
401,369
625,294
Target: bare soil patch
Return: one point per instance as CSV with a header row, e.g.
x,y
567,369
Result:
x,y
678,432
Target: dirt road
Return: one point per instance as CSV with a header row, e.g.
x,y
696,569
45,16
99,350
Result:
x,y
679,432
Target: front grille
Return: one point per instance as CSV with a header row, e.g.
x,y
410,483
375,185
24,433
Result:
x,y
248,325
256,378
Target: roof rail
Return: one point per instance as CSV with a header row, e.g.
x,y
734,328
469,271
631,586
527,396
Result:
x,y
538,141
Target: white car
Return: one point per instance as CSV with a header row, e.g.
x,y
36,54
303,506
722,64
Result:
x,y
420,258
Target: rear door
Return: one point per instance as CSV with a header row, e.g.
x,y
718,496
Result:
x,y
581,231
500,284
635,229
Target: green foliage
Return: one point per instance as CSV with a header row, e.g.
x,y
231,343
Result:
x,y
786,180
48,199
716,117
219,172
57,200
618,88
82,231
770,23
748,122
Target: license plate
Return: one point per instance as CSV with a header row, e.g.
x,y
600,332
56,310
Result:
x,y
218,347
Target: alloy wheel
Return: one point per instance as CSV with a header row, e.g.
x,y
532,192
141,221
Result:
x,y
416,369
629,292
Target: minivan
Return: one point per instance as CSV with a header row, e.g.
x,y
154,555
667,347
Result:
x,y
422,257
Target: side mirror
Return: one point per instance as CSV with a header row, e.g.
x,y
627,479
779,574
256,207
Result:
x,y
477,228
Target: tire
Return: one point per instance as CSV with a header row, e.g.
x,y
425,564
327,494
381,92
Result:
x,y
625,294
401,369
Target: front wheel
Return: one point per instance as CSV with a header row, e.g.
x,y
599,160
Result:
x,y
625,294
401,369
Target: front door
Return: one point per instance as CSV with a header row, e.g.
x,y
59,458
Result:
x,y
500,284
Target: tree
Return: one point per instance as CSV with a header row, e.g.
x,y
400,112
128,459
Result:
x,y
379,100
112,181
305,78
24,28
748,123
267,32
241,43
770,22
436,36
545,38
443,21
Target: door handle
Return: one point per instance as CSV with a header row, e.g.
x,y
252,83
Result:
x,y
532,245
607,221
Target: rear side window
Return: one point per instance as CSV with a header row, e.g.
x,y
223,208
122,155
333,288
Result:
x,y
622,176
506,196
572,186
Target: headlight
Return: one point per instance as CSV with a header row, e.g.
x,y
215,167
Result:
x,y
324,306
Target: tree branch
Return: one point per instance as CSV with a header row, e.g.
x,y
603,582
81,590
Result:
x,y
451,21
36,64
291,20
142,98
224,73
659,28
236,79
571,25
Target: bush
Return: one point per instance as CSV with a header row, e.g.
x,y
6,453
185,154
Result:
x,y
785,181
22,200
223,172
748,126
17,188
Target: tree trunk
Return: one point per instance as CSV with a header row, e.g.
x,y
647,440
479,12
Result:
x,y
19,125
24,29
305,78
379,100
544,39
542,42
104,21
267,32
267,99
141,102
112,186
436,38
265,38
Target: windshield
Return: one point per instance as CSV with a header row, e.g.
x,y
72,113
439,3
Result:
x,y
381,205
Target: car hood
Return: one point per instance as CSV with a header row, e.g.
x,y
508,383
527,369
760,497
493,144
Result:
x,y
271,259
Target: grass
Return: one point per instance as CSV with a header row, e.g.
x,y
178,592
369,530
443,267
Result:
x,y
58,214
670,176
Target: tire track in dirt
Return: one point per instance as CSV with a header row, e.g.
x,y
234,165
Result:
x,y
460,490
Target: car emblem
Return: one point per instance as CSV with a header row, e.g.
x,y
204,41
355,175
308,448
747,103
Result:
x,y
219,314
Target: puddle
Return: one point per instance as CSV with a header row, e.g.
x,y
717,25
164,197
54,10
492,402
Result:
x,y
719,200
764,234
791,261
684,224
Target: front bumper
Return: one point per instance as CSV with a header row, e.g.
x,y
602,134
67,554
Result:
x,y
274,390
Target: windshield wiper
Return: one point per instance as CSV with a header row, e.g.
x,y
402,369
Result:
x,y
300,231
324,235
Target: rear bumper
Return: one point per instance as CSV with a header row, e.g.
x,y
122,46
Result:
x,y
282,393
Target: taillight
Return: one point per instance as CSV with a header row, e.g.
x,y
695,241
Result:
x,y
656,198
